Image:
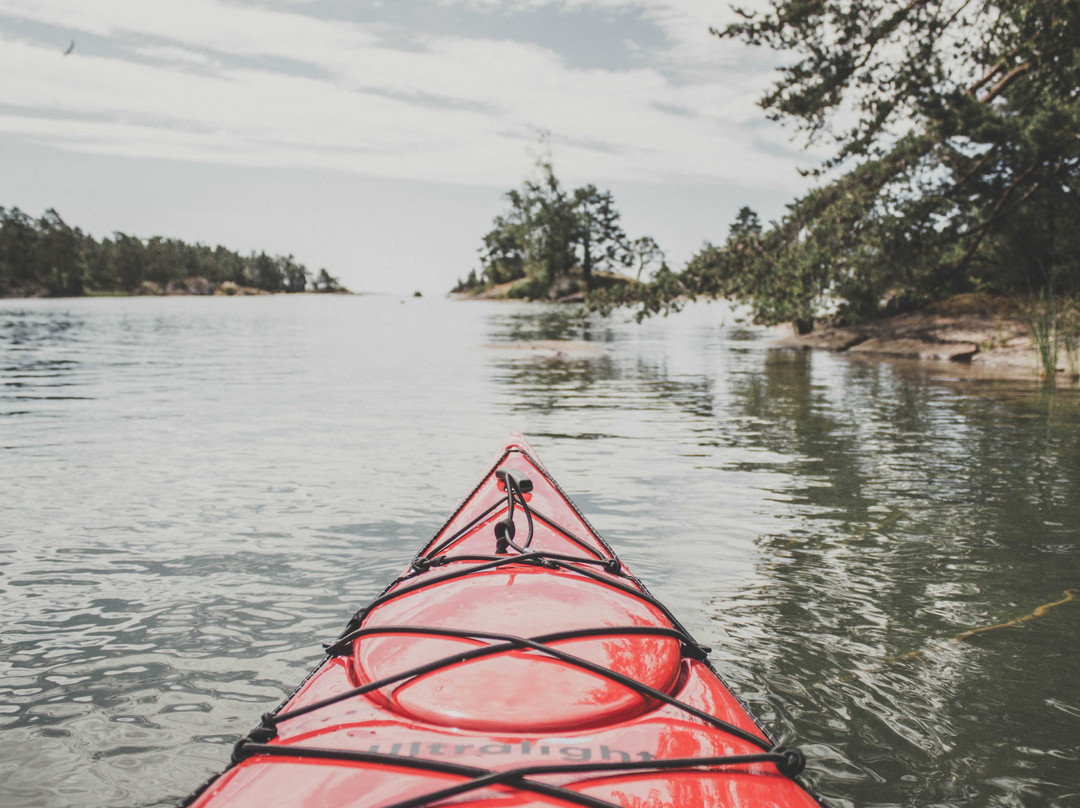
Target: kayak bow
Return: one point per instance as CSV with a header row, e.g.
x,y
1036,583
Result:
x,y
516,662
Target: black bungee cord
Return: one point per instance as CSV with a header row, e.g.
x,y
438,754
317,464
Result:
x,y
789,762
516,487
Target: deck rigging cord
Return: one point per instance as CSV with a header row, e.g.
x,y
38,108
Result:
x,y
606,570
516,488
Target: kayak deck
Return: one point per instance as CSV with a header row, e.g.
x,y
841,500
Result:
x,y
515,662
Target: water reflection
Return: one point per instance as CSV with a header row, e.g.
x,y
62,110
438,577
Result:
x,y
918,506
924,514
22,326
197,492
574,378
535,324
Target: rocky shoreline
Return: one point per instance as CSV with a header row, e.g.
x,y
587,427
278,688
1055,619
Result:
x,y
197,286
566,289
986,337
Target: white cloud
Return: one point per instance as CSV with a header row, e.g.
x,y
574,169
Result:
x,y
685,23
208,24
220,83
175,55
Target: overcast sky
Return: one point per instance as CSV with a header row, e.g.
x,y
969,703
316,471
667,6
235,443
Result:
x,y
376,138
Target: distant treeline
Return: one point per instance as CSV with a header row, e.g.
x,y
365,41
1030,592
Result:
x,y
46,256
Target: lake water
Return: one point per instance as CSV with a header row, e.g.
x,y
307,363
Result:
x,y
194,493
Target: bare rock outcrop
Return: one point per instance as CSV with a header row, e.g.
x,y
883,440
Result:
x,y
984,332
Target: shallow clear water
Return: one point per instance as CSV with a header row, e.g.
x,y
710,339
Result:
x,y
194,493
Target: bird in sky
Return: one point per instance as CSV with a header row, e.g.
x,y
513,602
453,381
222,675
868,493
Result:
x,y
71,47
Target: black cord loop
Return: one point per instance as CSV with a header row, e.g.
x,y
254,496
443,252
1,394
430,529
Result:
x,y
516,485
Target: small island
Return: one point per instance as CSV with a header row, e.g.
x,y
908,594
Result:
x,y
46,257
559,245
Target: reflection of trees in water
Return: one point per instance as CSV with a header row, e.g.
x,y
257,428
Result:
x,y
583,380
693,395
548,323
921,513
907,509
547,384
26,327
30,362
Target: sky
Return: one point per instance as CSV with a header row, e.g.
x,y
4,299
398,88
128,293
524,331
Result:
x,y
376,138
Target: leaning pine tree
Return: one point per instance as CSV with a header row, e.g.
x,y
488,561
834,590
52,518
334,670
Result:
x,y
954,131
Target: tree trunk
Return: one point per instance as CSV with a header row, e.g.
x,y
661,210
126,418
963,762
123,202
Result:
x,y
586,263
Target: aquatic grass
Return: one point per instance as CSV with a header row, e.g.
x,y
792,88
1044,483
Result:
x,y
1055,327
1042,316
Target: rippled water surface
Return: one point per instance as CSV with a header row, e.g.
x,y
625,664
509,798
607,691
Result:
x,y
194,493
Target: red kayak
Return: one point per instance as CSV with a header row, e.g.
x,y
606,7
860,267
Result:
x,y
515,662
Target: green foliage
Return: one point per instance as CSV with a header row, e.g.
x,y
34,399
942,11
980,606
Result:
x,y
599,235
48,257
294,275
528,288
954,166
325,282
263,273
535,238
548,234
644,254
664,294
760,268
471,283
1055,327
1043,319
506,245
